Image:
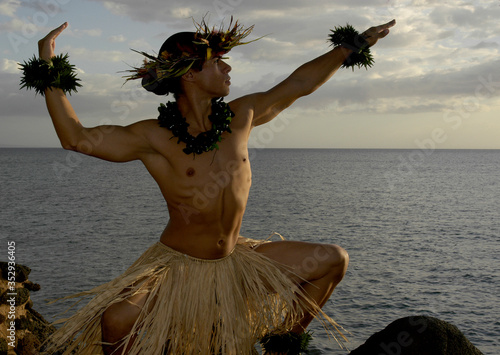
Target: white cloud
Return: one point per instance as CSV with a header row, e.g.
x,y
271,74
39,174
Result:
x,y
17,25
272,49
90,32
10,66
95,55
138,11
431,61
182,12
116,7
96,32
117,39
142,45
9,7
486,45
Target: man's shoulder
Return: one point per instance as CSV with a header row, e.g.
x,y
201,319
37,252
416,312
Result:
x,y
145,126
251,105
147,123
242,108
245,105
149,129
245,101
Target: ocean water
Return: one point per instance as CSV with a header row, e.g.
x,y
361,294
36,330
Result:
x,y
422,228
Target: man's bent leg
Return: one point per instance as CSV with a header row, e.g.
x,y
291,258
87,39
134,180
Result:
x,y
117,322
322,265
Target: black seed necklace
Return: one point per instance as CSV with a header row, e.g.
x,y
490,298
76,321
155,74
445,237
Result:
x,y
171,118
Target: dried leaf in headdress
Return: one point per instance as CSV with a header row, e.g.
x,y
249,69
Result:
x,y
208,43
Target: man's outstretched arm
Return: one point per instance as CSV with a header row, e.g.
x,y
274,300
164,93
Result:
x,y
307,78
114,143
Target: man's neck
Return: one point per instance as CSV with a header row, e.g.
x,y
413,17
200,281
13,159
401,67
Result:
x,y
196,111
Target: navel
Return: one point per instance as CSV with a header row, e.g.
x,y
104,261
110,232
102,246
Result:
x,y
190,172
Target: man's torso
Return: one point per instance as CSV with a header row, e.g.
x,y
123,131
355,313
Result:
x,y
206,194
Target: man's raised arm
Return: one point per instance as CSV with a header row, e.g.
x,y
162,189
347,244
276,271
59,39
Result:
x,y
307,78
114,143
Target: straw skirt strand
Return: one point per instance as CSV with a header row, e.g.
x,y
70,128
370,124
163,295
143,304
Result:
x,y
196,306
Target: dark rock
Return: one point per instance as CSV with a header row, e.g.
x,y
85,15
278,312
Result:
x,y
22,296
418,335
33,287
23,323
39,326
29,305
4,298
21,271
3,346
28,345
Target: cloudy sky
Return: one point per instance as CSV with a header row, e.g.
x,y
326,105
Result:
x,y
435,82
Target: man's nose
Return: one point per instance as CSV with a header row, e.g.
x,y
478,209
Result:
x,y
227,68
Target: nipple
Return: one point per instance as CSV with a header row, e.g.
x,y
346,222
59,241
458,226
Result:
x,y
190,172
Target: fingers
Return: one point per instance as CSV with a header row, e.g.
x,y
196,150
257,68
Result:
x,y
389,24
379,31
384,29
47,44
56,32
373,34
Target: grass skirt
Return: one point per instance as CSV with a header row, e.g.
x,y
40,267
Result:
x,y
199,306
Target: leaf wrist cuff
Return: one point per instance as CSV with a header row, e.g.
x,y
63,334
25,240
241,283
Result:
x,y
40,75
348,37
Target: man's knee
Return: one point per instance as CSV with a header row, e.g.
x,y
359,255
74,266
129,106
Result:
x,y
115,326
325,259
333,253
343,255
338,260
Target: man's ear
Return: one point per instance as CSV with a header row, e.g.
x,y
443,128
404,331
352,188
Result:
x,y
189,76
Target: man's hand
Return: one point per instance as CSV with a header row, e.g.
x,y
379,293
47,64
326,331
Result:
x,y
47,45
373,34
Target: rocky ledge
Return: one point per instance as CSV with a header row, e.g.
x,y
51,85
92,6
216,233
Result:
x,y
22,329
418,335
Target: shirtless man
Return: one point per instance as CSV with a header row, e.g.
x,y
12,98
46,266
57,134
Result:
x,y
209,230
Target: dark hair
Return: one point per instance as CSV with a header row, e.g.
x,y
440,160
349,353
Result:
x,y
174,45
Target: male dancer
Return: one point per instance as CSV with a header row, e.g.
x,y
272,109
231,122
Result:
x,y
183,168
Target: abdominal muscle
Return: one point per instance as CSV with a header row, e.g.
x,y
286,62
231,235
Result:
x,y
205,226
206,237
206,195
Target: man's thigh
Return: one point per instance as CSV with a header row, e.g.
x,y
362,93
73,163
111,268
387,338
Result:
x,y
308,261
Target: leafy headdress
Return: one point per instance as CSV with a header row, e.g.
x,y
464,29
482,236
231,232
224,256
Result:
x,y
186,50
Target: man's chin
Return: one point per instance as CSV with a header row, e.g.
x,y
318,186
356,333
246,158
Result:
x,y
222,93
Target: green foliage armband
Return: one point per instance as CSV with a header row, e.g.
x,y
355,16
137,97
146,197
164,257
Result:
x,y
348,37
40,75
